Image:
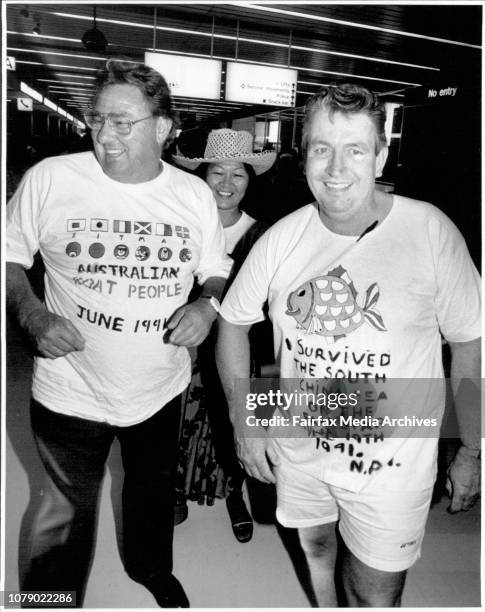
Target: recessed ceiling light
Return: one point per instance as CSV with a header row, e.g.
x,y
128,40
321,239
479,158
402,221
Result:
x,y
353,24
75,76
39,35
256,41
68,88
62,82
48,52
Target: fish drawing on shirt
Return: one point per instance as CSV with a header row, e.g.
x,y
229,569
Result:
x,y
327,306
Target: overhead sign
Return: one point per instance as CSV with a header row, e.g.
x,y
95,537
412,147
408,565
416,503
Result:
x,y
256,84
25,104
440,92
10,62
191,77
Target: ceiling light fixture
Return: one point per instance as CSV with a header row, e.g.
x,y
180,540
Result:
x,y
50,104
66,92
49,38
30,91
63,82
48,52
353,24
26,62
75,76
249,40
94,39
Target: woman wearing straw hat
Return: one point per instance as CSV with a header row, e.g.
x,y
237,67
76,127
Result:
x,y
208,465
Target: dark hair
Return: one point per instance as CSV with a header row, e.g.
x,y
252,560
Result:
x,y
348,98
150,82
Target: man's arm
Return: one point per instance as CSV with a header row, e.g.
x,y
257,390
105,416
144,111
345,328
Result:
x,y
190,324
464,472
53,335
232,358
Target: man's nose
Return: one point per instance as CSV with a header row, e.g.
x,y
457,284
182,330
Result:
x,y
105,133
336,163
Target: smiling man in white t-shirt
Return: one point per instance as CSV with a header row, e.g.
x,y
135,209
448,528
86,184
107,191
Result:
x,y
361,286
122,236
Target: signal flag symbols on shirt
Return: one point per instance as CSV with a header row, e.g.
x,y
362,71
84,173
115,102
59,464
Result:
x,y
99,225
121,227
164,229
182,232
142,227
76,225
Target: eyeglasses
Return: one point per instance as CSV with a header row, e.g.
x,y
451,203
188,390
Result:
x,y
123,127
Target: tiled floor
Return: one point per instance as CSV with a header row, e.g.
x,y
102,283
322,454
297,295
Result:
x,y
217,571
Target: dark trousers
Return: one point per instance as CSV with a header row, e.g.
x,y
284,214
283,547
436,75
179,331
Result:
x,y
74,453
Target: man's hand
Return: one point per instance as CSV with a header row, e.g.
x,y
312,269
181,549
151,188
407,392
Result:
x,y
463,483
257,456
54,336
191,323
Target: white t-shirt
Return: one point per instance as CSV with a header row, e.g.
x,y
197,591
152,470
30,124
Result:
x,y
120,259
233,233
370,313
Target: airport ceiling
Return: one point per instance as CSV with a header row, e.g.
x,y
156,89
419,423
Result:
x,y
389,47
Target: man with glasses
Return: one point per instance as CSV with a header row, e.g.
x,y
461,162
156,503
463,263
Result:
x,y
112,334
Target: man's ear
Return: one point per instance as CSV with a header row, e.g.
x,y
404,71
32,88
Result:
x,y
381,160
164,126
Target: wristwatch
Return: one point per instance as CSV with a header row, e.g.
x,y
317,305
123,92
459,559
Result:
x,y
213,301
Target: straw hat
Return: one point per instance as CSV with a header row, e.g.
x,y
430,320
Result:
x,y
223,145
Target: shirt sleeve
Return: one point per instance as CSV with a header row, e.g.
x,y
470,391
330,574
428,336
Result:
x,y
243,304
458,295
23,219
214,260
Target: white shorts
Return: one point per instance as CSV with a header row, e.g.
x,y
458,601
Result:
x,y
383,529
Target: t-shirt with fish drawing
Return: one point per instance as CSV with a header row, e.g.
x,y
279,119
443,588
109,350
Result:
x,y
363,317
